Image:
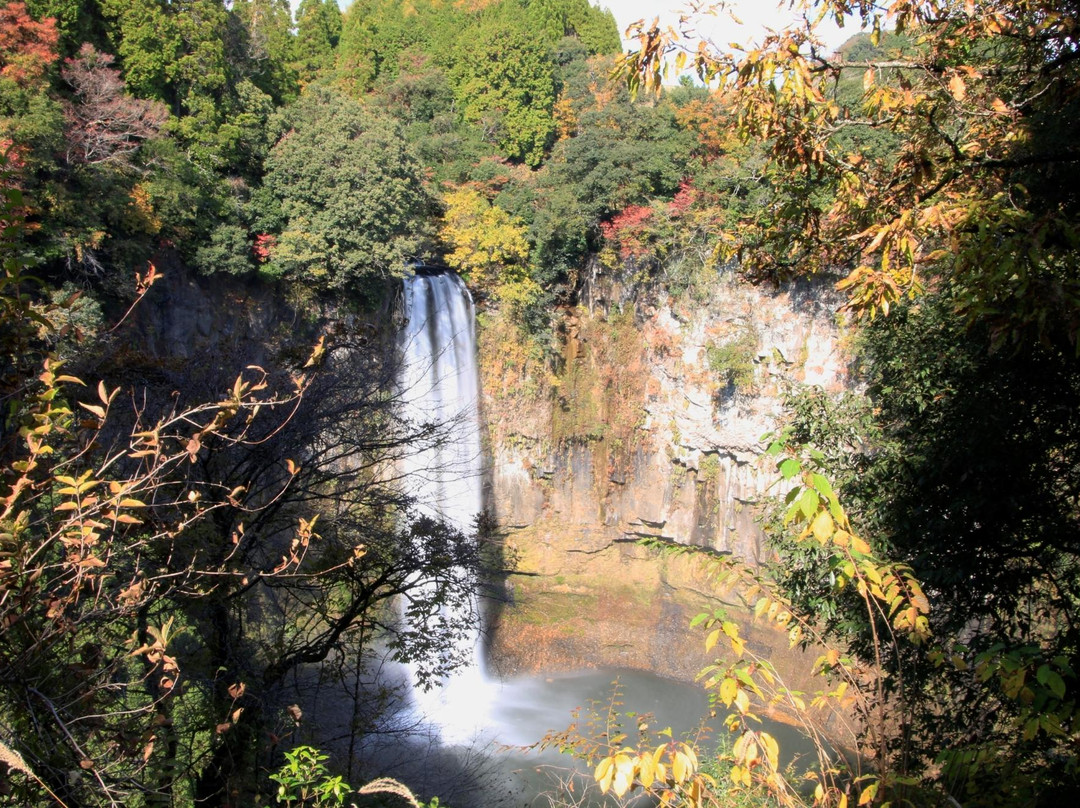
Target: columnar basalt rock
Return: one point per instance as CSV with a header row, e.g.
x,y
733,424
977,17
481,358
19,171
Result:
x,y
687,473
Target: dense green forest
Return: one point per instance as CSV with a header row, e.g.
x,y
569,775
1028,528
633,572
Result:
x,y
168,557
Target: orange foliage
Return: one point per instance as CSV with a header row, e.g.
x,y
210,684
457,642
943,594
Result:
x,y
27,47
712,125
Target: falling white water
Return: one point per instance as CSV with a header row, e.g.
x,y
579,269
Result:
x,y
439,386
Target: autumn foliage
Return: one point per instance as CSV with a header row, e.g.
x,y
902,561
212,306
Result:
x,y
27,46
977,189
104,124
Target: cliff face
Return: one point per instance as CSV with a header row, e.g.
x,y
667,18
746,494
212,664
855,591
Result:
x,y
650,428
662,442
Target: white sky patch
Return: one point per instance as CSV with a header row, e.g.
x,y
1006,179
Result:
x,y
756,15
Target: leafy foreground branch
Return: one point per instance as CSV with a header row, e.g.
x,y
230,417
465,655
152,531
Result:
x,y
862,722
305,782
96,552
941,158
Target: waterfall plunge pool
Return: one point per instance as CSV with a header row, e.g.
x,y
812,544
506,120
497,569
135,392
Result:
x,y
490,765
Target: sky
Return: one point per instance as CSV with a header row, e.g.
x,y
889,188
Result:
x,y
756,15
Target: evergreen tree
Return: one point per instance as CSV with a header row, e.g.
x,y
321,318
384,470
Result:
x,y
318,29
505,81
145,37
266,46
77,21
350,198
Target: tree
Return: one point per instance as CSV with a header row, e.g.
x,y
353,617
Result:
x,y
487,247
27,47
978,195
83,510
77,22
617,156
371,549
505,82
377,35
595,27
555,19
318,29
266,47
139,542
27,52
144,36
353,205
104,125
955,226
358,62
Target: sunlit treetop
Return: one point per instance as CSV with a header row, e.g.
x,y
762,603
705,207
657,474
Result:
x,y
978,196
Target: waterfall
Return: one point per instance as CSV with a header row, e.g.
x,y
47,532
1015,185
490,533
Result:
x,y
439,384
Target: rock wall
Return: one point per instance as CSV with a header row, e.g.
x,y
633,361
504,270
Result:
x,y
687,471
649,428
668,449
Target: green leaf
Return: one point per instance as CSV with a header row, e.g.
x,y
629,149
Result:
x,y
808,502
1056,684
822,484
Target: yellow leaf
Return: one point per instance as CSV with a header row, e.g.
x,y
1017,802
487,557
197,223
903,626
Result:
x,y
604,774
742,701
957,88
691,755
646,769
678,767
729,688
739,750
822,527
753,751
772,749
624,775
94,408
868,794
710,641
